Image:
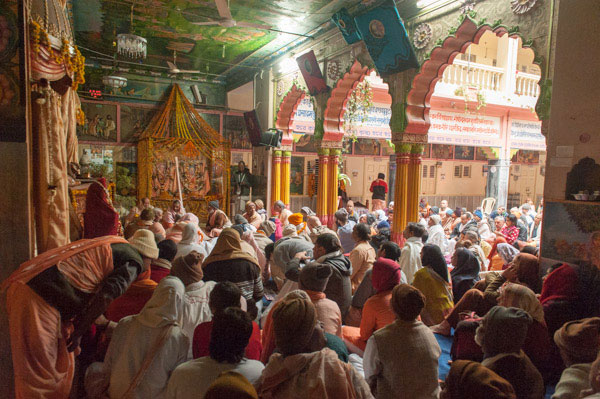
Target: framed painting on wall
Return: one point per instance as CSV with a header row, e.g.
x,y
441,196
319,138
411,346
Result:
x,y
572,233
442,151
234,130
367,147
306,143
297,177
464,153
134,121
100,122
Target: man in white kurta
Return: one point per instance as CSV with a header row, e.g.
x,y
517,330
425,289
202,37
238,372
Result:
x,y
410,260
436,233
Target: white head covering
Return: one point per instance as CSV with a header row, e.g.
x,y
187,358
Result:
x,y
189,241
166,304
507,252
190,234
380,213
436,218
190,217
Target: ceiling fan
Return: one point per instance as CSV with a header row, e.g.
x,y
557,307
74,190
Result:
x,y
173,66
227,21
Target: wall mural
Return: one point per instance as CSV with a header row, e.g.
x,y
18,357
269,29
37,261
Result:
x,y
234,130
572,234
100,122
133,121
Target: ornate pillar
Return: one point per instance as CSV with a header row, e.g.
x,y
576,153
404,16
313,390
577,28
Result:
x,y
400,191
332,197
276,177
414,182
322,191
285,177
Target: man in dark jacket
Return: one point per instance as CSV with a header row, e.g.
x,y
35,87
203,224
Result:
x,y
327,251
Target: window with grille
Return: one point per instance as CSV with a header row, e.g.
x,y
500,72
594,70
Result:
x,y
466,172
432,171
425,171
457,171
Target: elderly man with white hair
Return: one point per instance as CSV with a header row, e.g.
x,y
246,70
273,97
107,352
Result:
x,y
280,209
436,233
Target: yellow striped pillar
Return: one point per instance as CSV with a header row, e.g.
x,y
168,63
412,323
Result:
x,y
276,177
414,182
332,197
322,186
401,189
285,177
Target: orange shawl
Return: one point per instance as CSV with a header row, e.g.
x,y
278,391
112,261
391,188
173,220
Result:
x,y
94,253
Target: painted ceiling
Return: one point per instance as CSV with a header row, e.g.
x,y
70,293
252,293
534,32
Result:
x,y
219,53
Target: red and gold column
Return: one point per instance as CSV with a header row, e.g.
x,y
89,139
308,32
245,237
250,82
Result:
x,y
276,177
414,183
322,191
401,192
285,177
332,197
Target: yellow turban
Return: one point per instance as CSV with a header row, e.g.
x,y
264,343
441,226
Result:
x,y
295,218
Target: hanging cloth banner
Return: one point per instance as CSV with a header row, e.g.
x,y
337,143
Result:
x,y
311,73
347,26
386,39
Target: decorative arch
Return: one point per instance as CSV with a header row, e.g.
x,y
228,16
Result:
x,y
333,124
423,85
287,112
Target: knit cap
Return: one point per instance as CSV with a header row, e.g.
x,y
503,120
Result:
x,y
314,277
214,204
143,241
505,330
188,268
293,323
579,339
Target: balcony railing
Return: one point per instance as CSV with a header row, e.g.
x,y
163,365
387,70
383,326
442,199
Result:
x,y
464,73
527,85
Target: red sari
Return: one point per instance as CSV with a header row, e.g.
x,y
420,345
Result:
x,y
100,218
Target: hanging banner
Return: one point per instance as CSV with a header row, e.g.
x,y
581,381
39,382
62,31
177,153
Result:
x,y
386,39
527,135
347,26
376,124
464,129
311,73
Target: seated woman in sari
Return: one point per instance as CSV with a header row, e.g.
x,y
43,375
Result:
x,y
434,282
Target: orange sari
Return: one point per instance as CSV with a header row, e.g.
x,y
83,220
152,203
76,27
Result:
x,y
43,366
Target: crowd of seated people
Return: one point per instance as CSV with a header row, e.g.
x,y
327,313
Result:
x,y
286,307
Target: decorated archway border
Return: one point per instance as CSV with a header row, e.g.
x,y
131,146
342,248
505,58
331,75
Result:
x,y
287,112
423,85
333,124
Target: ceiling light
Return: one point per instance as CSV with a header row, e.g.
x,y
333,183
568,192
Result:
x,y
114,81
131,46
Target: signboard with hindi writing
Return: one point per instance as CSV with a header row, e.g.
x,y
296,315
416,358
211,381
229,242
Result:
x,y
464,129
527,135
376,124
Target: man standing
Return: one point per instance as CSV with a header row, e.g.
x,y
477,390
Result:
x,y
379,188
54,298
410,260
242,183
443,206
